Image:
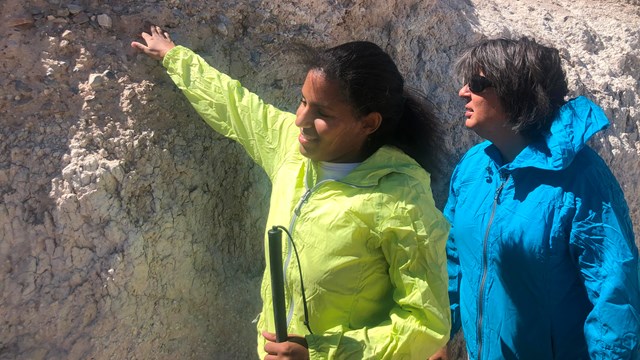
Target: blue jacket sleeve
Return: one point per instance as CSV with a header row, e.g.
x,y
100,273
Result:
x,y
607,257
453,262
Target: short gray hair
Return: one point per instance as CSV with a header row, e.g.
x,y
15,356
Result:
x,y
527,76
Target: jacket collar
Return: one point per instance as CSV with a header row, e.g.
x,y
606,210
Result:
x,y
576,122
386,160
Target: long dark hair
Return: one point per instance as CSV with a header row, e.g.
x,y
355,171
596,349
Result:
x,y
527,77
371,82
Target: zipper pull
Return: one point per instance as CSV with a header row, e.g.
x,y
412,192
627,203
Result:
x,y
303,200
499,189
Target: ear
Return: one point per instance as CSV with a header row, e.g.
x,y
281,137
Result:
x,y
371,122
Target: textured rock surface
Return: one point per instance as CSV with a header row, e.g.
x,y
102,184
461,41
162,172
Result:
x,y
128,229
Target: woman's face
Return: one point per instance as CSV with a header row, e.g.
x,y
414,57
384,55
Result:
x,y
484,112
329,129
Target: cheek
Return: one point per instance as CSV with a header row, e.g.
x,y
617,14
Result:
x,y
495,113
321,127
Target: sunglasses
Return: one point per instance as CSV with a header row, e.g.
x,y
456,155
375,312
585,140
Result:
x,y
478,83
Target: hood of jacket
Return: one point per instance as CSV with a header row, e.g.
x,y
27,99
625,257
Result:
x,y
576,122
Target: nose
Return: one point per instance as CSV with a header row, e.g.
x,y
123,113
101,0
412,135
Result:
x,y
303,117
464,91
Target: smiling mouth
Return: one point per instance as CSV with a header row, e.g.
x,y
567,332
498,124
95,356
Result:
x,y
306,138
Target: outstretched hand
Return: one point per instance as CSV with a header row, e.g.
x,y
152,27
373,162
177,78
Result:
x,y
158,43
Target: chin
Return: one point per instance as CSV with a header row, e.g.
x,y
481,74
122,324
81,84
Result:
x,y
304,152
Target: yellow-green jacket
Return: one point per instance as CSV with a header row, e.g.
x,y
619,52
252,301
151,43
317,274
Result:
x,y
371,246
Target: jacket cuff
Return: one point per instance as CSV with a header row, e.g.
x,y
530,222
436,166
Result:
x,y
172,55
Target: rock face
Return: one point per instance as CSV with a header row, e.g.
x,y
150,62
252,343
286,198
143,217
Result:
x,y
128,229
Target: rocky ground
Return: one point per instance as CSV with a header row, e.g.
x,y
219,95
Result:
x,y
129,230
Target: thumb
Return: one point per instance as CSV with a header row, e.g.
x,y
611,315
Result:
x,y
269,336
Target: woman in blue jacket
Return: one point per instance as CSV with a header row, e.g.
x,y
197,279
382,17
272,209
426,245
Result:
x,y
542,258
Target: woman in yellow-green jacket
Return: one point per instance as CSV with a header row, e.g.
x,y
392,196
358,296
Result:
x,y
370,240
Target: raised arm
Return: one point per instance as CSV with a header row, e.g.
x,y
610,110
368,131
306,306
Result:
x,y
266,133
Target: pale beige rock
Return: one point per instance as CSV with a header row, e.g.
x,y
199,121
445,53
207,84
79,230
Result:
x,y
129,230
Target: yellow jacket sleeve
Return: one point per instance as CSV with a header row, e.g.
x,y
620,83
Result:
x,y
265,132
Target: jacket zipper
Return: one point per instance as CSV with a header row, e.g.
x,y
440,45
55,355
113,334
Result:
x,y
484,265
296,213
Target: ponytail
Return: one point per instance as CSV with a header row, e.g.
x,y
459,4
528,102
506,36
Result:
x,y
418,132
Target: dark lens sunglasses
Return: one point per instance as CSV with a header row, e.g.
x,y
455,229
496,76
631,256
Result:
x,y
478,83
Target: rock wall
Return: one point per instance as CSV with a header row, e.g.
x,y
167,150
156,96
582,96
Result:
x,y
128,229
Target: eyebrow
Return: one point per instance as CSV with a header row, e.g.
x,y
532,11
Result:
x,y
314,103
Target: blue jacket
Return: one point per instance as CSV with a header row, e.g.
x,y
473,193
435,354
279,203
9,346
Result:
x,y
541,254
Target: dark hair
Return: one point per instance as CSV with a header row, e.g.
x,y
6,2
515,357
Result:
x,y
371,82
527,77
